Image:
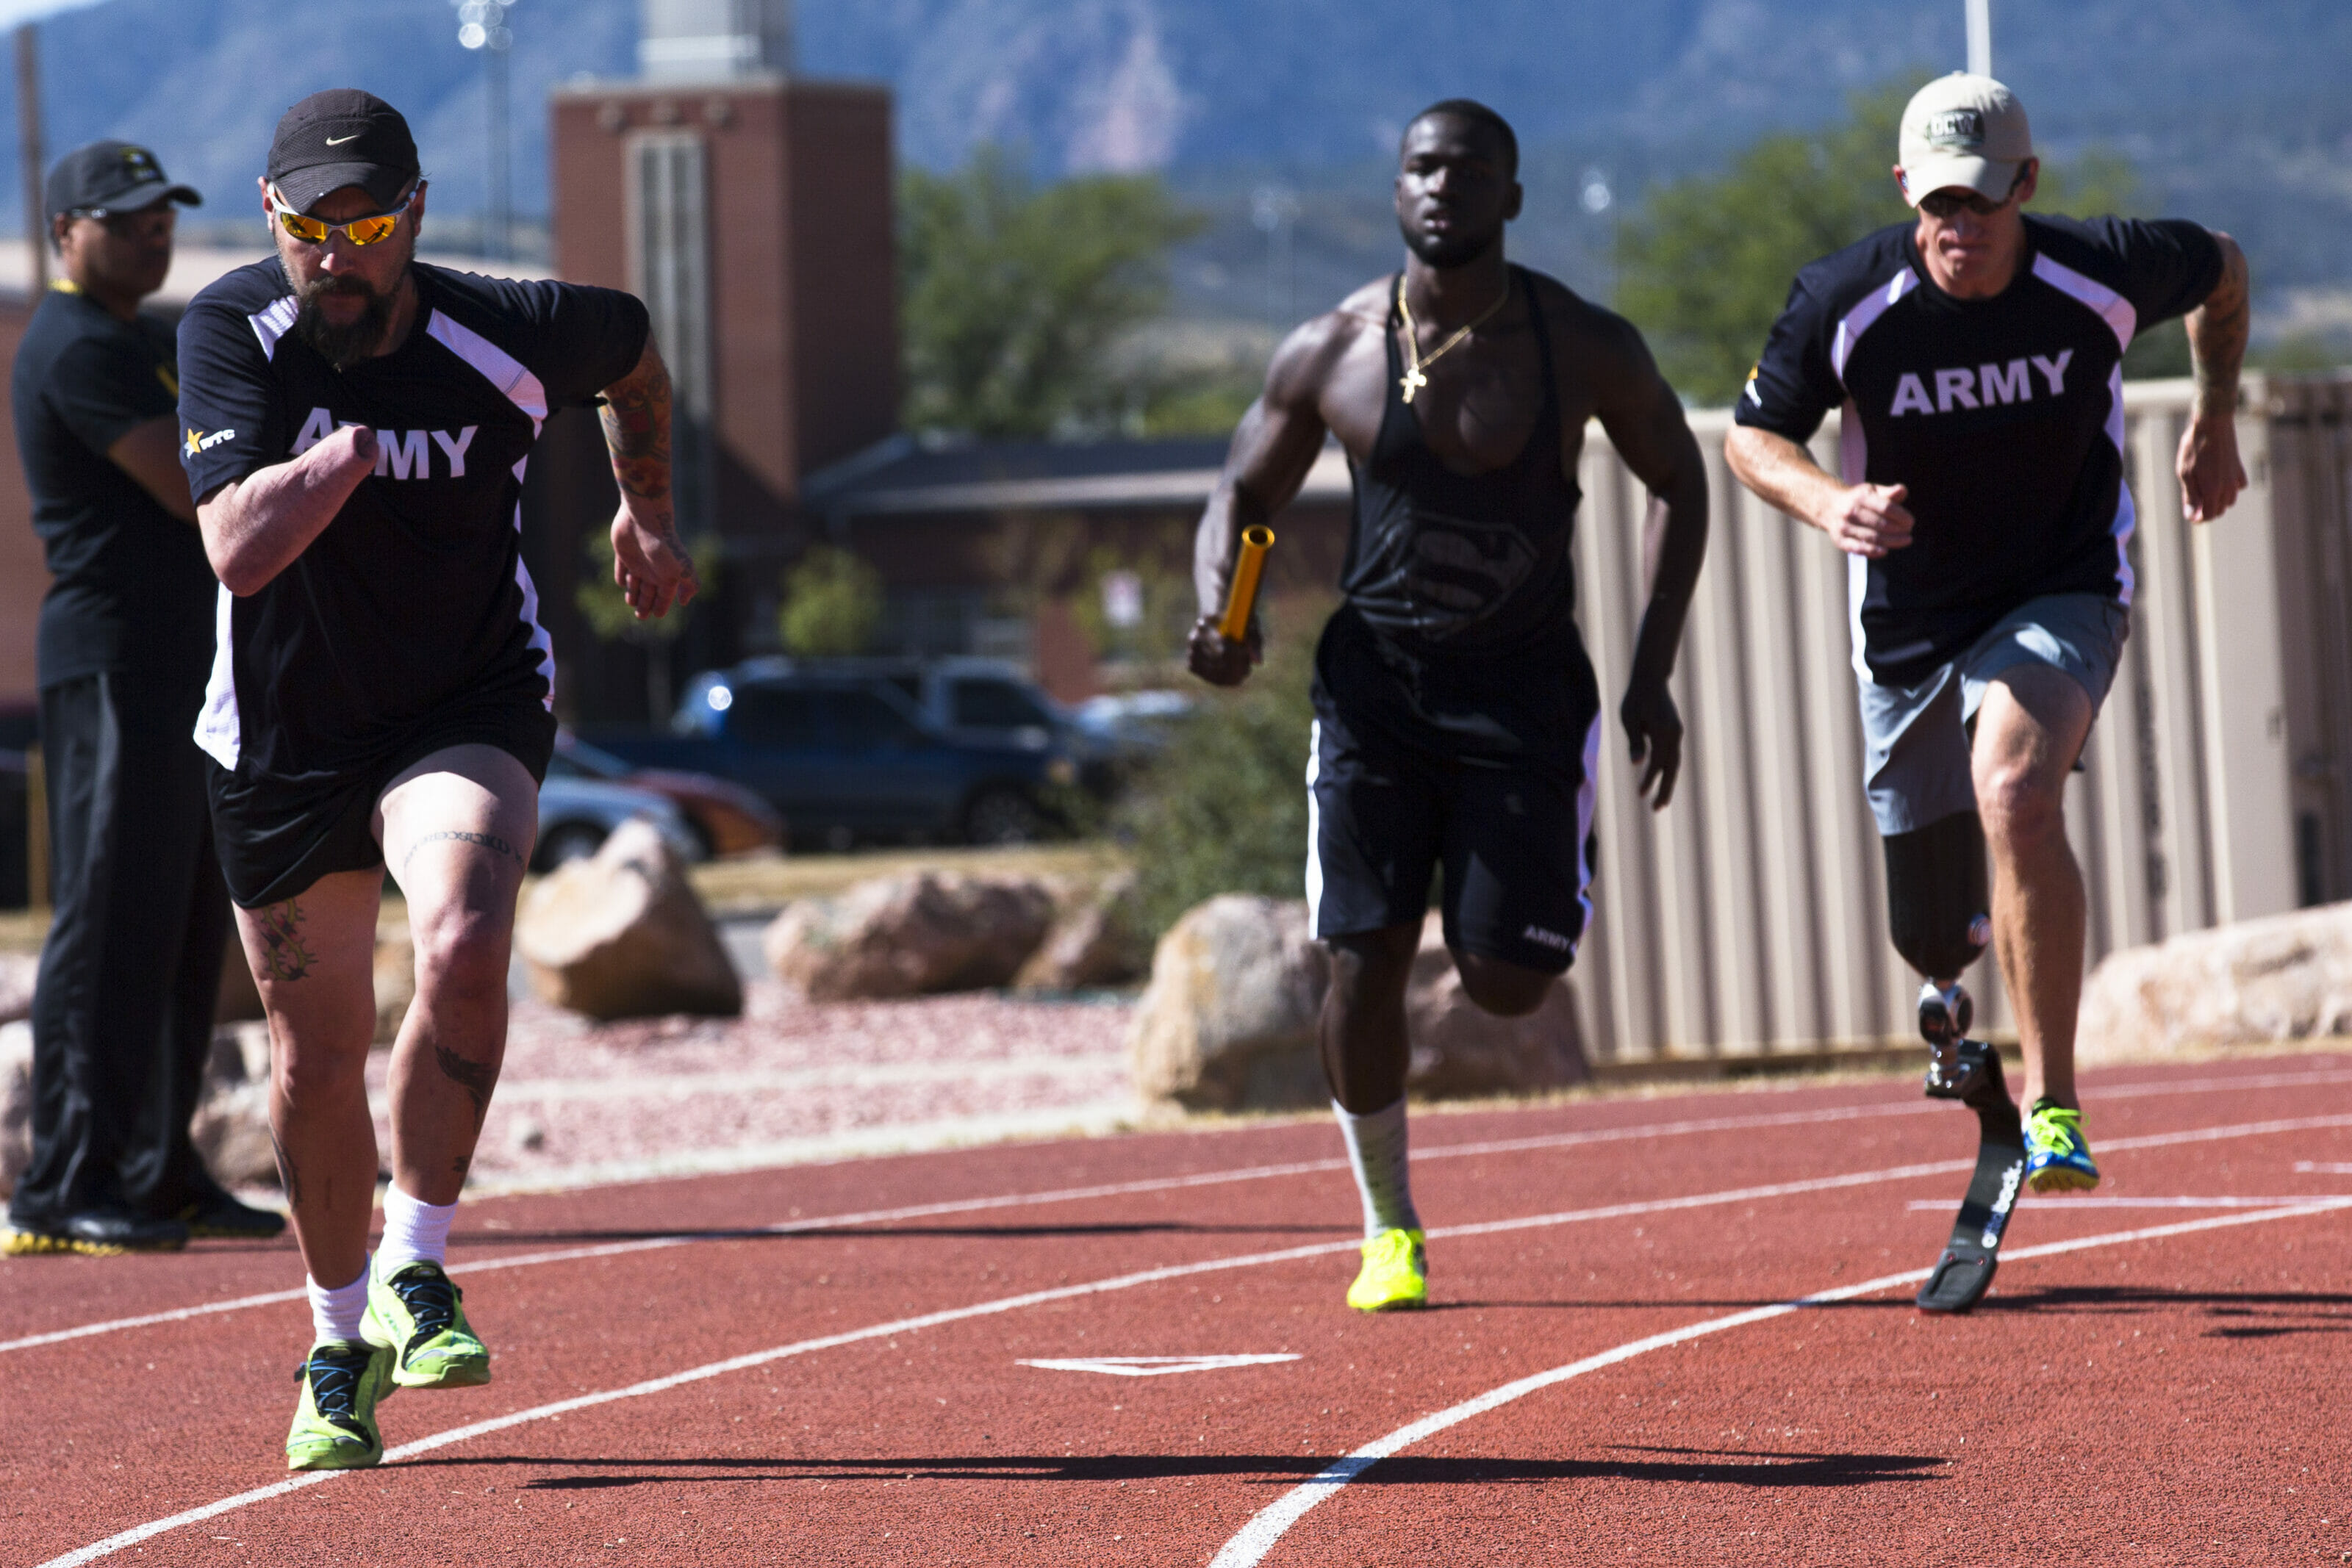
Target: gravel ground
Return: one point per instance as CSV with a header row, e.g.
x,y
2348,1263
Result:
x,y
791,1081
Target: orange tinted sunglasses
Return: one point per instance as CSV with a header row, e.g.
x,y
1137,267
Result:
x,y
368,230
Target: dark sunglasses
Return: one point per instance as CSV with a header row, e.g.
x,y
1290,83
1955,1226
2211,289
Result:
x,y
122,223
1946,206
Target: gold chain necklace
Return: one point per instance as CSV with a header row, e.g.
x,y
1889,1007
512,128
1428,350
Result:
x,y
1412,381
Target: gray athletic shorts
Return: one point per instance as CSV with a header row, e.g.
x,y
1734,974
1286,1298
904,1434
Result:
x,y
1914,740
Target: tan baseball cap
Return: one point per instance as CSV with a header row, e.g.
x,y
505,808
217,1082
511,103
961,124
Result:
x,y
1963,130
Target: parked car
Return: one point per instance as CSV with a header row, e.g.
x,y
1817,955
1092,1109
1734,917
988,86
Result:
x,y
855,749
577,815
726,818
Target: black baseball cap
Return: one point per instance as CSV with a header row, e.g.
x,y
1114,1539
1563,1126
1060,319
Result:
x,y
337,137
112,177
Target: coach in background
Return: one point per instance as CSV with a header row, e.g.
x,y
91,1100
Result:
x,y
122,1011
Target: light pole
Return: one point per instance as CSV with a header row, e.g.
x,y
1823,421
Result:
x,y
482,25
1979,38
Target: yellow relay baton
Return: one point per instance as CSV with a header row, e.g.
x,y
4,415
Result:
x,y
1243,596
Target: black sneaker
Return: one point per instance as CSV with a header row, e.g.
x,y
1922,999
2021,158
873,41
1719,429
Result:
x,y
220,1216
111,1232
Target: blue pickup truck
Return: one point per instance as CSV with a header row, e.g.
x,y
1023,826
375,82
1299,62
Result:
x,y
856,750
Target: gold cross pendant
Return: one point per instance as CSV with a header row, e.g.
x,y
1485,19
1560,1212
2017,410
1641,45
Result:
x,y
1412,381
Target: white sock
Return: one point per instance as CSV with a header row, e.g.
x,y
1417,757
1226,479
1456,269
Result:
x,y
414,1233
1376,1148
335,1314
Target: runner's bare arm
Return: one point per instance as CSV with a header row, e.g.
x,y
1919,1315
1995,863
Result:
x,y
649,564
2208,464
1274,447
1645,424
255,526
1864,519
149,452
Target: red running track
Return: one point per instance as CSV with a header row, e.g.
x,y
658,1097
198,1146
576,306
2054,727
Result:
x,y
833,1364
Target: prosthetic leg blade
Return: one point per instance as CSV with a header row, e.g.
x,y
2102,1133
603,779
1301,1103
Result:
x,y
1965,1271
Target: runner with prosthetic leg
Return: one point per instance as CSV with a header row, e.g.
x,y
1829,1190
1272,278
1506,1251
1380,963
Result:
x,y
1975,357
1940,909
1457,718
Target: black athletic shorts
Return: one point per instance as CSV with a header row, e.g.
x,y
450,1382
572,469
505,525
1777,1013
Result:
x,y
278,836
1512,832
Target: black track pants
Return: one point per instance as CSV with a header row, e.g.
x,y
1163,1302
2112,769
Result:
x,y
122,1011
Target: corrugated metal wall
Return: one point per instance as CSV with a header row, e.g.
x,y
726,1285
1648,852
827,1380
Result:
x,y
1749,916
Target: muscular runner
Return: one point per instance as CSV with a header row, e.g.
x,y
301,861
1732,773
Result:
x,y
354,426
1457,717
1976,354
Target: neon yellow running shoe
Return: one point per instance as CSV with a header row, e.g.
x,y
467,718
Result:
x,y
334,1424
1395,1276
422,1317
2057,1159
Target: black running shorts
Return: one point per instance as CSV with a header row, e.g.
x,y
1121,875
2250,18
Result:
x,y
1514,837
278,836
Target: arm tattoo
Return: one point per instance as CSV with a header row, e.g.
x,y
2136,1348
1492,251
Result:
x,y
473,1077
287,957
635,417
488,841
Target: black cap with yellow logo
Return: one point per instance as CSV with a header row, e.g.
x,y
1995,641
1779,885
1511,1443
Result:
x,y
111,177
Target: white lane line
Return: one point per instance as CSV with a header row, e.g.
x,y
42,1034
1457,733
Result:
x,y
1209,1178
1129,1281
1249,1546
1010,1200
1153,1366
2323,1167
2064,1201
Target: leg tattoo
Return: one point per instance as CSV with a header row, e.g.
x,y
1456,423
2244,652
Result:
x,y
488,841
287,957
473,1077
287,1178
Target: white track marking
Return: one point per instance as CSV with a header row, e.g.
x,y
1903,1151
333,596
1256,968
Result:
x,y
1258,1537
1153,1366
2323,1167
131,1537
1209,1178
2060,1204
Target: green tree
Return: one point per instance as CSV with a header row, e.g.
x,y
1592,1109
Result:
x,y
1705,265
832,601
610,619
1011,295
1220,808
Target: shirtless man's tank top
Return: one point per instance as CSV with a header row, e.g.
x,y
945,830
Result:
x,y
1458,633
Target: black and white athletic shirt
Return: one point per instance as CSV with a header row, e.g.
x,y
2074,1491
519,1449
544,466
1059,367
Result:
x,y
2004,416
415,598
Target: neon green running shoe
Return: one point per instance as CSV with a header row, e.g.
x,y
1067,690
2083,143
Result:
x,y
334,1425
420,1316
1395,1276
2057,1159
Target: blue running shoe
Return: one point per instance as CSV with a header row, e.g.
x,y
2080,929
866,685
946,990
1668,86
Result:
x,y
2056,1157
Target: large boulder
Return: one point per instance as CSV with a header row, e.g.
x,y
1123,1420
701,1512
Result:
x,y
15,1101
622,933
909,936
2283,977
17,973
1459,1049
1095,941
239,1000
1228,1020
231,1127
